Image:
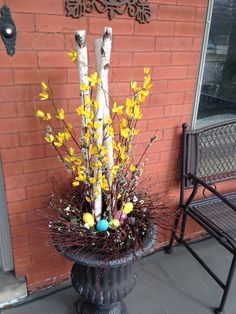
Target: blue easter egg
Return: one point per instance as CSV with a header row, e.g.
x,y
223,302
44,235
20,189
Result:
x,y
102,225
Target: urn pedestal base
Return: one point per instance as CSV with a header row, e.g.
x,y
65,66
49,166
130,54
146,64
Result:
x,y
85,307
102,289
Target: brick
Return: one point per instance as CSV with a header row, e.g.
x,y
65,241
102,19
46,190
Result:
x,y
62,91
27,205
31,76
18,219
12,169
39,190
189,29
23,180
119,89
119,26
22,262
16,195
22,230
24,22
8,110
181,85
121,59
151,58
185,58
32,138
127,74
59,24
134,43
22,59
156,28
20,241
192,71
44,6
18,125
189,97
35,41
176,13
22,153
172,133
164,123
169,72
12,93
201,15
40,164
170,99
173,43
197,44
6,77
57,59
195,3
177,110
9,141
152,112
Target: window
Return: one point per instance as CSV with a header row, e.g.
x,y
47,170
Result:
x,y
216,92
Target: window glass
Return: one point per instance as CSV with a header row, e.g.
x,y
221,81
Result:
x,y
217,100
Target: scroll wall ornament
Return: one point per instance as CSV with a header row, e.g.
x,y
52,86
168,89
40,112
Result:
x,y
140,9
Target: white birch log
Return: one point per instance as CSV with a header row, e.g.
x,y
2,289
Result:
x,y
102,54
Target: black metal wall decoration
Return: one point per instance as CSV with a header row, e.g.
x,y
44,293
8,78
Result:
x,y
8,30
140,9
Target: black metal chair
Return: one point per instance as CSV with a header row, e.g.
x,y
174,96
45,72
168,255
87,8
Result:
x,y
209,156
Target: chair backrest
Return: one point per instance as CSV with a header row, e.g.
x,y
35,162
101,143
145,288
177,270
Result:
x,y
210,153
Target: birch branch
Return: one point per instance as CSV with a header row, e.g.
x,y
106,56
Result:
x,y
102,54
81,45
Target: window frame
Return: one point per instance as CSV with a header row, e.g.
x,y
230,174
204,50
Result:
x,y
202,64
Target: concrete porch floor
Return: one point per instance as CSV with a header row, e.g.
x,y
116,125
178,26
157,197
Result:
x,y
167,284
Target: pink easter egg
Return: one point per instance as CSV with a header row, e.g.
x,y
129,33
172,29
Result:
x,y
120,215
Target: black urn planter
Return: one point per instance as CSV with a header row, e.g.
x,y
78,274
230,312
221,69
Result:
x,y
103,285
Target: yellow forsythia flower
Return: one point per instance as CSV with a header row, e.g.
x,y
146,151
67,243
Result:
x,y
44,86
84,87
75,183
110,131
40,114
134,86
146,70
125,132
118,110
94,79
92,180
128,207
73,55
43,95
108,120
97,124
61,114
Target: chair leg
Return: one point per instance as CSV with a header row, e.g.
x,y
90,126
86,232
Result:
x,y
220,310
169,247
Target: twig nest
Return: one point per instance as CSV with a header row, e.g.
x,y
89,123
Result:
x,y
128,207
88,219
114,223
102,225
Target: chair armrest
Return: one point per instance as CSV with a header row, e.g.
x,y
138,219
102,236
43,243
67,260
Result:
x,y
196,180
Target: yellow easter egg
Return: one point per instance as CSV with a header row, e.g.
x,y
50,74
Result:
x,y
88,219
114,223
128,208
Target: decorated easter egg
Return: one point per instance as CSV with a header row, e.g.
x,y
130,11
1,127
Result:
x,y
128,207
121,216
88,219
114,223
102,225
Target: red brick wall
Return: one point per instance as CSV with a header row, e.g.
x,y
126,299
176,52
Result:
x,y
170,45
